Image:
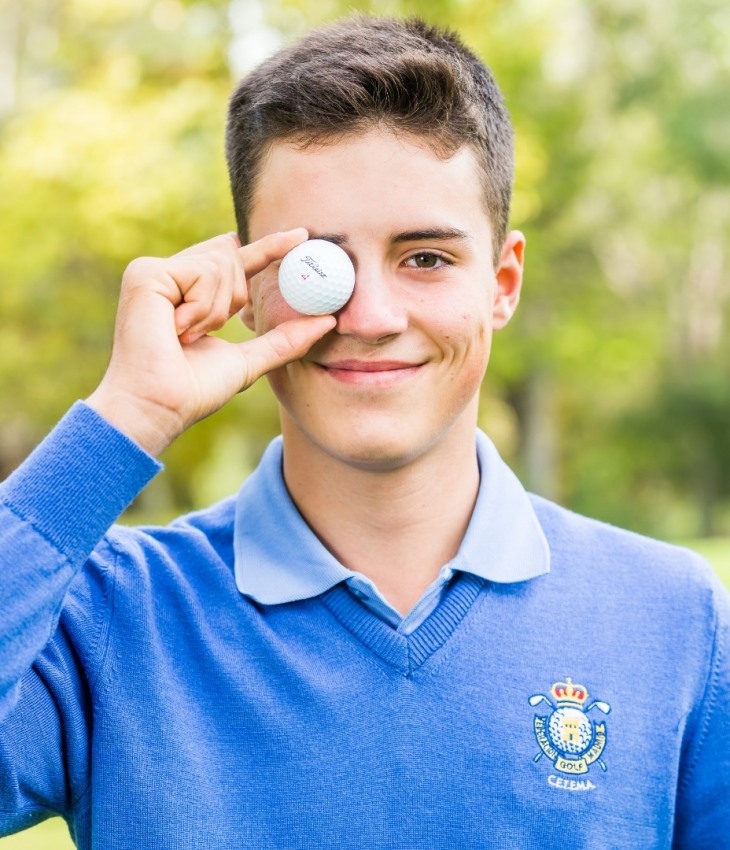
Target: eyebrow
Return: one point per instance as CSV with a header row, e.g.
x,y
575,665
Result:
x,y
440,234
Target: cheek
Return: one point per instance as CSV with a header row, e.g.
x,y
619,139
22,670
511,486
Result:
x,y
467,342
269,308
466,334
278,384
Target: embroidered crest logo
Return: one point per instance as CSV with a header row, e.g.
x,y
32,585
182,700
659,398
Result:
x,y
571,739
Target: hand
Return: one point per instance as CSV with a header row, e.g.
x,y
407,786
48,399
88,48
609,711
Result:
x,y
165,372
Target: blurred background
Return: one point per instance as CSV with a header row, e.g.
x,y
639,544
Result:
x,y
609,391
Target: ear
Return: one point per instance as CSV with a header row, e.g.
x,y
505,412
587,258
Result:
x,y
509,279
246,314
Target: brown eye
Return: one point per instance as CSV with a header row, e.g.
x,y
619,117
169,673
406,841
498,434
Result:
x,y
425,260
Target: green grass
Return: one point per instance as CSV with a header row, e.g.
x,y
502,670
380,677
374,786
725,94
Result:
x,y
49,835
53,834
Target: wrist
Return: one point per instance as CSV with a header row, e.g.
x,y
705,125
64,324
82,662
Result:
x,y
150,426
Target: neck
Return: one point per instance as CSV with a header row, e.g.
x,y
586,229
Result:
x,y
398,527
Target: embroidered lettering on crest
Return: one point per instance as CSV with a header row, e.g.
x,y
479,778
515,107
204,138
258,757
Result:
x,y
570,784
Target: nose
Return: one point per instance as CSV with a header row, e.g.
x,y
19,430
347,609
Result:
x,y
376,310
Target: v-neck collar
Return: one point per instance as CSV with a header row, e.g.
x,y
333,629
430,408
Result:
x,y
406,653
279,559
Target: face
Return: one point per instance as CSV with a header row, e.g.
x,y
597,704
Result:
x,y
400,373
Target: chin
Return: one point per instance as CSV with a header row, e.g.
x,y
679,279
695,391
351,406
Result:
x,y
377,458
371,437
372,448
377,451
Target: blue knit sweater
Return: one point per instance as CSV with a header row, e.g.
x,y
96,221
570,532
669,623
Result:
x,y
152,705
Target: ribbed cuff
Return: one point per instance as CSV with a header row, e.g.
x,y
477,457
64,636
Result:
x,y
78,481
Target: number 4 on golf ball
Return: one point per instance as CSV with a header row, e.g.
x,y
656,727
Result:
x,y
316,278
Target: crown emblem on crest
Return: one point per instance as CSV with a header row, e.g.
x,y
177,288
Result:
x,y
567,693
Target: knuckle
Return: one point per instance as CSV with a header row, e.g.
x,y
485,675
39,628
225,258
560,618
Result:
x,y
223,242
140,268
209,267
219,315
207,278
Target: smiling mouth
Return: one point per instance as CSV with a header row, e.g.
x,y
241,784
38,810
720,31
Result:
x,y
371,373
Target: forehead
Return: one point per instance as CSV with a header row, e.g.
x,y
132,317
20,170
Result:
x,y
360,182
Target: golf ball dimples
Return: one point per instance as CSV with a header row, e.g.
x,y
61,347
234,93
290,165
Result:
x,y
316,278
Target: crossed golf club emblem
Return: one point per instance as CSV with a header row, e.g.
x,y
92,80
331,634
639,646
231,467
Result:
x,y
568,736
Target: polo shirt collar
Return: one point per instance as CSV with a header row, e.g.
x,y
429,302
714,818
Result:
x,y
278,558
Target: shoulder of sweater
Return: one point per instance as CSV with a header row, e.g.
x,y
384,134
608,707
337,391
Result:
x,y
210,526
604,551
152,556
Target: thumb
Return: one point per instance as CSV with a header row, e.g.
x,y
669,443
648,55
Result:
x,y
286,342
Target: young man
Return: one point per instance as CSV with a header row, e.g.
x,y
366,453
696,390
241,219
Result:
x,y
382,641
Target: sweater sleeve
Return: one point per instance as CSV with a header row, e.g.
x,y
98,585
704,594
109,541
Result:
x,y
53,511
703,795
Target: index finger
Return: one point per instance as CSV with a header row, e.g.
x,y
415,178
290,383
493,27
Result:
x,y
261,253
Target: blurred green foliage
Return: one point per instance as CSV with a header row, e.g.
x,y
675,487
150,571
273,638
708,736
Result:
x,y
609,391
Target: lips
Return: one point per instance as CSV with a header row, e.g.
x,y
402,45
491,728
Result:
x,y
370,373
367,365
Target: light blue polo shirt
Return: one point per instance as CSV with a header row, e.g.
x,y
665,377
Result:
x,y
279,559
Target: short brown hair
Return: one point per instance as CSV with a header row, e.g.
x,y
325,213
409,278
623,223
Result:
x,y
360,72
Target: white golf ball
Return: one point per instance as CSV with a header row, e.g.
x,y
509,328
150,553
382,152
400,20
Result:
x,y
316,278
